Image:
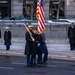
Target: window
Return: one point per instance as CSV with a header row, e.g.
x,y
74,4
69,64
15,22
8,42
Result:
x,y
5,8
29,8
53,8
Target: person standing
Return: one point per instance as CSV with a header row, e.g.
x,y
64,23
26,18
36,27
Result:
x,y
37,46
12,18
71,36
43,48
7,38
34,47
30,50
0,33
39,53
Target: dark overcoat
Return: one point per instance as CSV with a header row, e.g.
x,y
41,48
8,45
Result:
x,y
0,33
31,46
7,37
71,34
35,43
42,46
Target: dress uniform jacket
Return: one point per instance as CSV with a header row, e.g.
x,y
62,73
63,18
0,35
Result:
x,y
31,46
71,34
42,46
7,38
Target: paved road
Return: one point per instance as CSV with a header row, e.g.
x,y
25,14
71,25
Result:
x,y
13,65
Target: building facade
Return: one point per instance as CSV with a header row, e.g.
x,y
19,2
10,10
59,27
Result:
x,y
27,8
5,8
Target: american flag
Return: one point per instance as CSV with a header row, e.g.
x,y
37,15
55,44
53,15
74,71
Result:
x,y
40,16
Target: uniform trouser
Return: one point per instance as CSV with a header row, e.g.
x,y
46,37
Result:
x,y
28,59
45,58
33,59
72,46
39,59
45,52
7,47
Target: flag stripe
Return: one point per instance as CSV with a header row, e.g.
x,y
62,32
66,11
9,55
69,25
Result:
x,y
40,27
41,23
40,16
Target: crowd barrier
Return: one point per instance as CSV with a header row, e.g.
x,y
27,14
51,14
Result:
x,y
32,22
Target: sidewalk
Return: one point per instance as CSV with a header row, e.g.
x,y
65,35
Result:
x,y
58,48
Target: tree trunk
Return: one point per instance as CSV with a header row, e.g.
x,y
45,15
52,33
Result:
x,y
57,17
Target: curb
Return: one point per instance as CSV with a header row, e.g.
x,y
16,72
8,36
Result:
x,y
7,53
63,57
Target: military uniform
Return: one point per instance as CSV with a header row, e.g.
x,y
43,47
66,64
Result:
x,y
43,49
30,48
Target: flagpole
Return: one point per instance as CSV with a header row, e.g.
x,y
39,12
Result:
x,y
29,32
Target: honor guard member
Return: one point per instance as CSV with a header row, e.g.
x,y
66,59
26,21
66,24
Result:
x,y
7,38
34,47
43,48
30,50
71,36
37,46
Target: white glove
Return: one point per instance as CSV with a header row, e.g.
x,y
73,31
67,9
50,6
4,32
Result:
x,y
33,39
38,44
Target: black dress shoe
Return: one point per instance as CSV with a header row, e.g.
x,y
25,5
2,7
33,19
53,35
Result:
x,y
45,63
72,49
7,49
28,65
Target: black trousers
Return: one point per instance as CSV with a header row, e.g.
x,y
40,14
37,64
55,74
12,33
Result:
x,y
7,47
45,57
72,46
33,59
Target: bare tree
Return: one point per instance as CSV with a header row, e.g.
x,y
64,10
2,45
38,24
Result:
x,y
59,3
59,6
